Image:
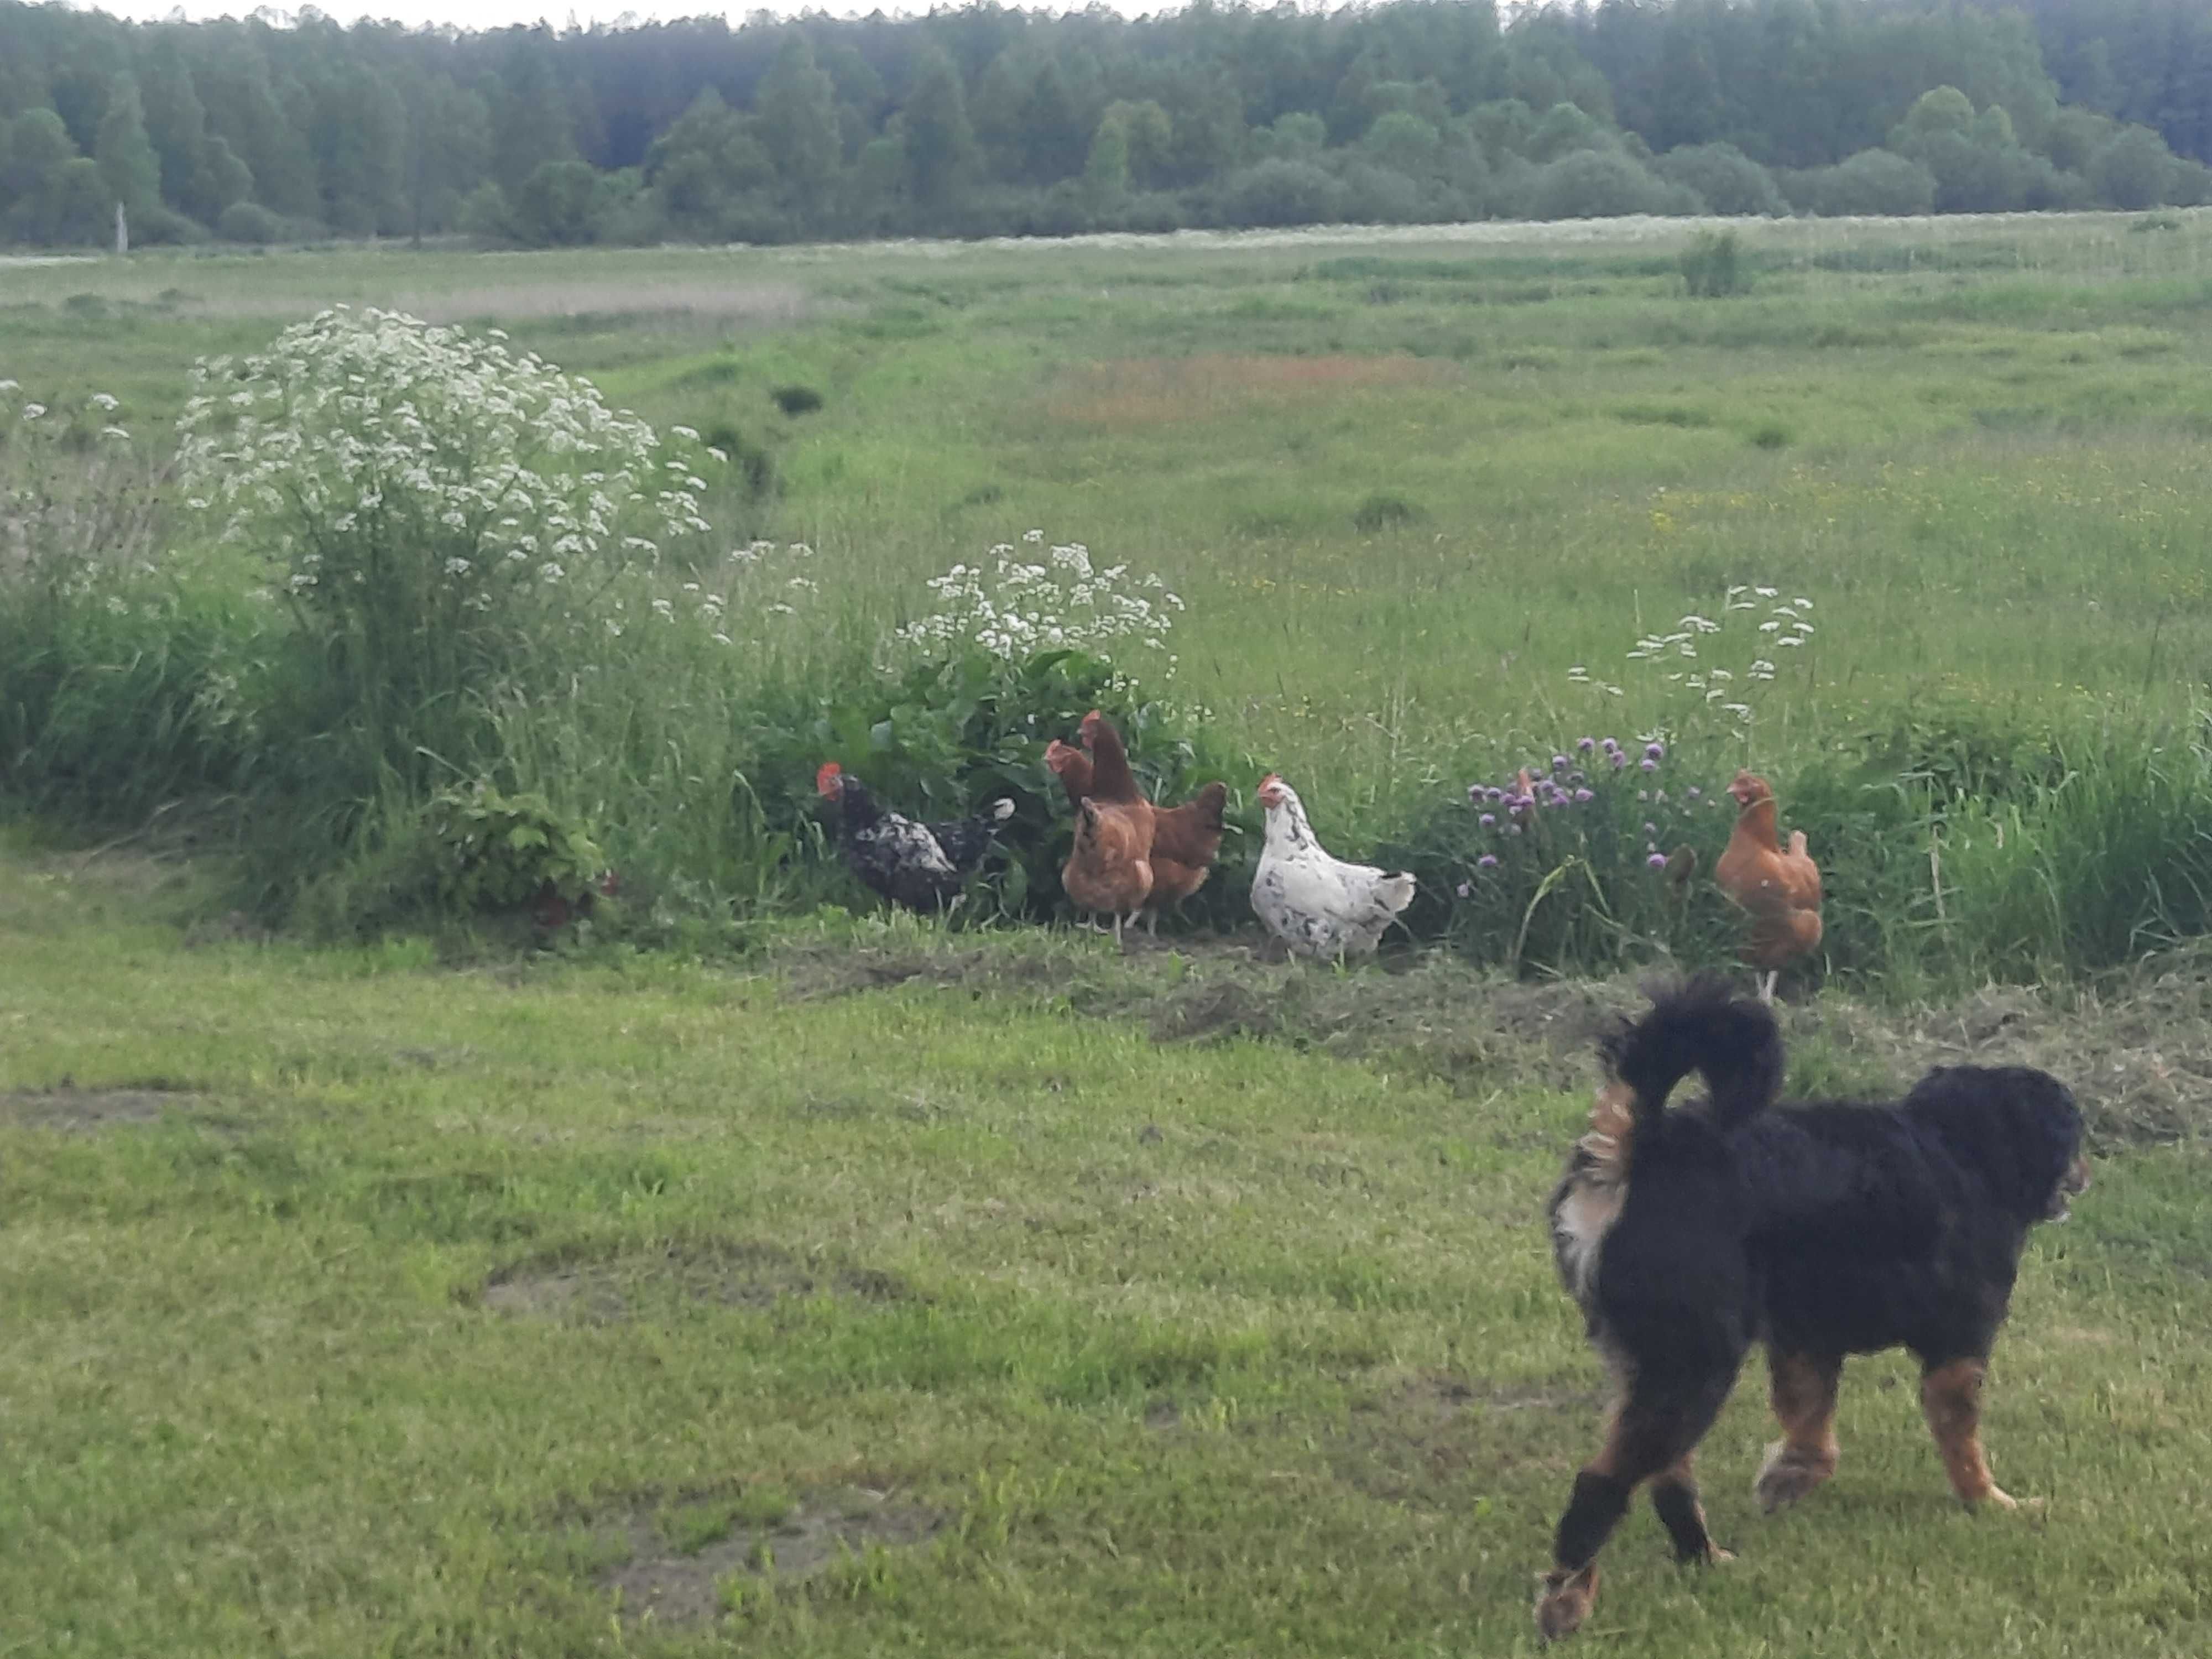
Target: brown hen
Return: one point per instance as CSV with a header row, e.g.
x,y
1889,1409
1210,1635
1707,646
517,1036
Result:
x,y
1186,839
1780,889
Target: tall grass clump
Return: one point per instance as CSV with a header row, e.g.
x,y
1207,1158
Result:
x,y
119,689
1714,266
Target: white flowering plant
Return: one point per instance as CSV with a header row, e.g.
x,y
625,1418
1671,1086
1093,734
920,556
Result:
x,y
1017,648
447,518
1757,628
1011,605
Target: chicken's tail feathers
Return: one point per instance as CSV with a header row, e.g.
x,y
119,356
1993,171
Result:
x,y
1000,810
1396,892
1699,1024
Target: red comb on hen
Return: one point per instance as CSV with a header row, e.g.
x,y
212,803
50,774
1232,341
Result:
x,y
829,781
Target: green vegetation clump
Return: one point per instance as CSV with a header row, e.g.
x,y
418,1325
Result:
x,y
1714,266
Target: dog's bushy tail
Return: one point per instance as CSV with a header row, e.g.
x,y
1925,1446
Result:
x,y
1702,1025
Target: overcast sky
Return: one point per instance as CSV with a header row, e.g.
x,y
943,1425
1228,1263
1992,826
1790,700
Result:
x,y
497,14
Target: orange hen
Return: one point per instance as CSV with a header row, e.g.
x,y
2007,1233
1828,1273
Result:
x,y
1780,889
1185,839
1110,870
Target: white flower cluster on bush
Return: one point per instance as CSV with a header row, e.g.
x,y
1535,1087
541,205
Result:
x,y
1012,606
364,445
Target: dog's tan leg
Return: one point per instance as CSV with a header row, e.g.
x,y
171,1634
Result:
x,y
1951,1398
1802,1388
1674,1496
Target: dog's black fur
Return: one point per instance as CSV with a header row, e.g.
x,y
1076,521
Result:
x,y
1820,1229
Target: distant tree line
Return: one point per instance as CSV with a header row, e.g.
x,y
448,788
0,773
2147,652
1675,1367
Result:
x,y
987,121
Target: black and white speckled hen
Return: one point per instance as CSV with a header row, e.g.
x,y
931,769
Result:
x,y
921,865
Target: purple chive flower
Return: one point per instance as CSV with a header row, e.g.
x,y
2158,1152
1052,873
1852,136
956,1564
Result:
x,y
1487,861
1575,777
1655,751
1585,744
1488,820
1657,861
1474,792
1608,745
1619,760
1581,795
1650,829
1648,765
1559,763
1496,793
1466,891
1694,792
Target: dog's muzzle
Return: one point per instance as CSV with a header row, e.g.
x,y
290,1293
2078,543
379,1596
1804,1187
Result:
x,y
2070,1186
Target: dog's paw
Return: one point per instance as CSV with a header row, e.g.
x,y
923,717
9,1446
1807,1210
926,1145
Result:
x,y
1998,1498
1565,1602
1786,1476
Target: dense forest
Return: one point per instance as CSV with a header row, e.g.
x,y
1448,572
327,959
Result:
x,y
985,120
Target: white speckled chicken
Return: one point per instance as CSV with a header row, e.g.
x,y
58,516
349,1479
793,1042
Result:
x,y
1320,906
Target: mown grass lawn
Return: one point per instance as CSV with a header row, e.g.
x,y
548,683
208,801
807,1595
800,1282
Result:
x,y
356,1304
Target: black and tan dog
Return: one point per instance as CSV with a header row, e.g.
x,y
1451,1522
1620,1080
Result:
x,y
1820,1230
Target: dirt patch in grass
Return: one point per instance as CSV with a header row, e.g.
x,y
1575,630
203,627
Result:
x,y
66,1106
606,1289
688,1559
1136,391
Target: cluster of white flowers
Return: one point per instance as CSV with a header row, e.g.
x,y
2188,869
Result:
x,y
1786,627
1011,605
499,470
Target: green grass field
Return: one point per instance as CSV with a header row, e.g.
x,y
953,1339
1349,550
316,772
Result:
x,y
887,1289
1403,484
633,1306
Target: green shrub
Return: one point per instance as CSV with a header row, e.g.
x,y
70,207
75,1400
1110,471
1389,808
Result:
x,y
1714,266
1874,181
1726,179
501,851
951,734
1379,511
443,527
249,222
